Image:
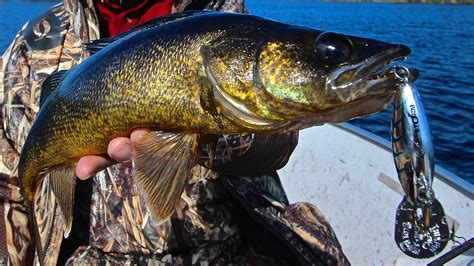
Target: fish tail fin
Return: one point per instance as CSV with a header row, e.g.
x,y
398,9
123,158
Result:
x,y
63,183
29,178
62,180
35,232
162,167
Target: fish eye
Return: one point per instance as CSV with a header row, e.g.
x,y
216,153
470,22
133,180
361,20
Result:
x,y
333,48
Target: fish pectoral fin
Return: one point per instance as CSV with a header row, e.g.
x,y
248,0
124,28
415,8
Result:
x,y
63,184
162,163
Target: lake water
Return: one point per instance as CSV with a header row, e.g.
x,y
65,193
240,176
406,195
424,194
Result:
x,y
441,38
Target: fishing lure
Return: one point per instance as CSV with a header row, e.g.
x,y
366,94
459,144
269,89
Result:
x,y
421,229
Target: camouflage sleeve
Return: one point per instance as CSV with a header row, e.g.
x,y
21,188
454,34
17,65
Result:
x,y
253,154
45,44
14,233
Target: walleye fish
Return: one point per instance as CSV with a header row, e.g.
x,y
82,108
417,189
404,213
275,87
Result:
x,y
198,73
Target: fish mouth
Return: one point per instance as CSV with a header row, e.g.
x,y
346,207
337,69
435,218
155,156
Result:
x,y
361,89
379,64
373,76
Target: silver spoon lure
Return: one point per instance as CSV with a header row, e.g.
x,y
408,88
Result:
x,y
421,229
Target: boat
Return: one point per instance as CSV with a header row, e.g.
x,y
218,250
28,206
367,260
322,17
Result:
x,y
349,174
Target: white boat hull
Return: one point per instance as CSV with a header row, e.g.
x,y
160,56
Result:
x,y
350,176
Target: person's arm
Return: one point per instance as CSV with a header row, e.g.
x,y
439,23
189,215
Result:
x,y
15,237
254,154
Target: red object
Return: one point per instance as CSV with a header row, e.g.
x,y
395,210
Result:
x,y
120,19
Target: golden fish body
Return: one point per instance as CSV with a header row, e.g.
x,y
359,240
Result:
x,y
190,74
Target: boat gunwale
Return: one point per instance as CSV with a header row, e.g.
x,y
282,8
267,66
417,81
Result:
x,y
441,173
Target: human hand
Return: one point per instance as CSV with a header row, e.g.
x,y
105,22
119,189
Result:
x,y
119,151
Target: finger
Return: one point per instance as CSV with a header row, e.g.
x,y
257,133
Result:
x,y
120,149
89,165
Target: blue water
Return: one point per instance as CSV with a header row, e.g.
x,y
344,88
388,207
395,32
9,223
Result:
x,y
441,38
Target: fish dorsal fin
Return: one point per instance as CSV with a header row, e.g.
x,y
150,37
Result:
x,y
97,45
166,19
63,184
50,84
162,165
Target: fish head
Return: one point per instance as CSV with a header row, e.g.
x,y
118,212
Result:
x,y
296,78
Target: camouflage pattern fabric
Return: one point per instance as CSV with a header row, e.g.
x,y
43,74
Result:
x,y
203,230
43,45
301,228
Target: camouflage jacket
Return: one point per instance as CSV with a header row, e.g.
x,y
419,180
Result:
x,y
226,215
